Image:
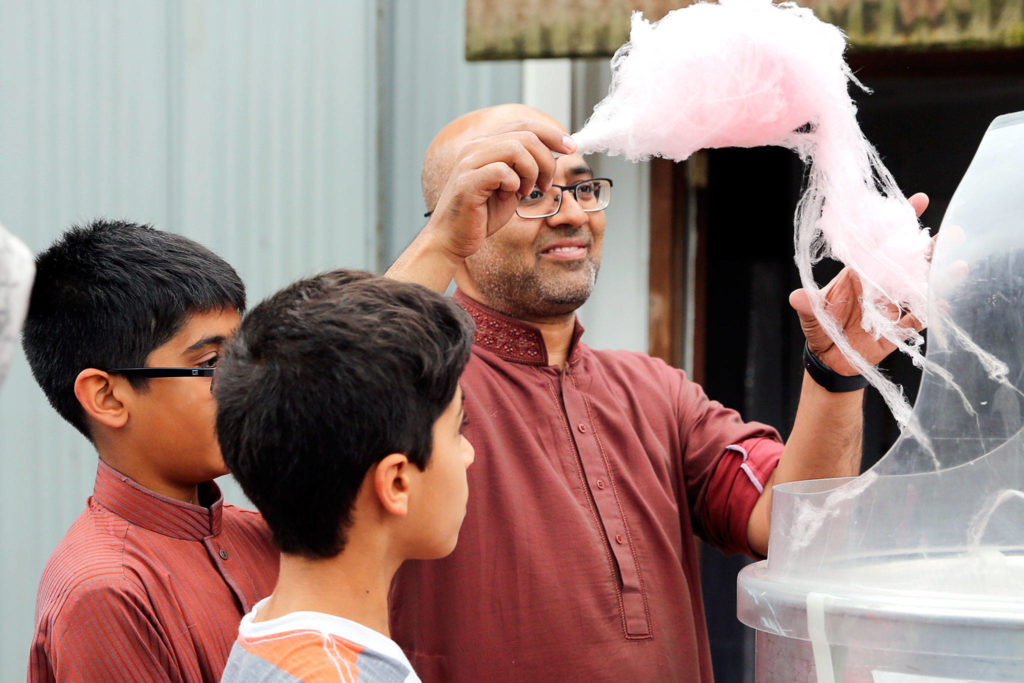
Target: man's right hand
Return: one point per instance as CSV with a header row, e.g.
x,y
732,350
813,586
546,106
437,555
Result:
x,y
488,178
490,173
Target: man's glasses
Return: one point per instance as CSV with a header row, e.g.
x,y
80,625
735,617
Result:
x,y
592,194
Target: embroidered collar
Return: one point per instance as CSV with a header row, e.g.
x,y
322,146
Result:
x,y
509,338
150,510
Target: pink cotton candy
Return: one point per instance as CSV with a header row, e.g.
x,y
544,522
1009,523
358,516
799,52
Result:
x,y
743,73
746,73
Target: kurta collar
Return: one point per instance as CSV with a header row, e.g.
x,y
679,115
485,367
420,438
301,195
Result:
x,y
509,338
155,512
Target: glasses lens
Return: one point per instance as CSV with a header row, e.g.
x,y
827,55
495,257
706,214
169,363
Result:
x,y
593,195
539,204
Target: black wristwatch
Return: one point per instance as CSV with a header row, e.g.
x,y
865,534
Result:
x,y
828,378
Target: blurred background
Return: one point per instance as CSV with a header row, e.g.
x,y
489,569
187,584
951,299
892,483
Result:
x,y
288,136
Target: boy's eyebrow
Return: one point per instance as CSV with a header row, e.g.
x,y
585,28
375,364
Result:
x,y
207,341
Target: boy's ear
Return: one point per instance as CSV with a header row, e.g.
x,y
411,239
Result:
x,y
391,483
101,398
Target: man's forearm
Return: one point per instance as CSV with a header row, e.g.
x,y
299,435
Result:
x,y
827,435
825,442
426,263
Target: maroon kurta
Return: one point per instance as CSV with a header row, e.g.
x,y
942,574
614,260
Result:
x,y
576,561
146,588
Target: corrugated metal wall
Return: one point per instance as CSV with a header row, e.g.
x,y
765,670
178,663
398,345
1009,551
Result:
x,y
249,128
287,136
430,83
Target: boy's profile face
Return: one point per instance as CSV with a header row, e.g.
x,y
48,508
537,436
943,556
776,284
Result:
x,y
440,503
173,418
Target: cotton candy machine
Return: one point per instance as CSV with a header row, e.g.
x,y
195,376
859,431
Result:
x,y
914,571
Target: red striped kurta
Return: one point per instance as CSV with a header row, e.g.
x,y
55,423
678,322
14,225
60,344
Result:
x,y
147,588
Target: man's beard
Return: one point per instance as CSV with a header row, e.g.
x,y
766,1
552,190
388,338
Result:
x,y
529,295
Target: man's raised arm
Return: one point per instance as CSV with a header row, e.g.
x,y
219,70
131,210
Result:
x,y
473,191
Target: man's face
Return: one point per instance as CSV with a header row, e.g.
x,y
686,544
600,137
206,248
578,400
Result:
x,y
174,417
539,268
442,490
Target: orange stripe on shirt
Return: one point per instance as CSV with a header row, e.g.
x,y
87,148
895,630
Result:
x,y
303,654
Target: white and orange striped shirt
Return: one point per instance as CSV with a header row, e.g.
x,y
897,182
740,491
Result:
x,y
147,588
314,647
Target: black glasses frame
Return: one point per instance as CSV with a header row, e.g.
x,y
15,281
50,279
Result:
x,y
563,188
574,188
163,372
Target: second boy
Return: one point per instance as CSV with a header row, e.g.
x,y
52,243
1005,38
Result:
x,y
340,414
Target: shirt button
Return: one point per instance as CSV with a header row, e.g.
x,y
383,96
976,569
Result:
x,y
583,428
600,484
619,539
223,554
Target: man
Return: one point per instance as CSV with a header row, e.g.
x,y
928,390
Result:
x,y
576,560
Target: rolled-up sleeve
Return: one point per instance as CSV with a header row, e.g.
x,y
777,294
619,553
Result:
x,y
725,464
737,482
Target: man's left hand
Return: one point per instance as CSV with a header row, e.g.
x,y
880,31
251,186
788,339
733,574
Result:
x,y
843,303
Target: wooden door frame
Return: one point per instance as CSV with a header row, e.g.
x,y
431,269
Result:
x,y
677,279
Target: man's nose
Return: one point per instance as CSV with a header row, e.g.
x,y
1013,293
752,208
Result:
x,y
570,213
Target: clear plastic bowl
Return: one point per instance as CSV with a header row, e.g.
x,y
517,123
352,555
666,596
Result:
x,y
914,571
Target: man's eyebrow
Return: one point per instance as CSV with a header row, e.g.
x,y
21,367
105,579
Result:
x,y
582,169
207,341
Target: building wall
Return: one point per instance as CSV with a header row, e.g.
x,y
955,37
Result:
x,y
235,127
286,136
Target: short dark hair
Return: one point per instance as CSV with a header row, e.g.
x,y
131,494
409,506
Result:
x,y
322,381
107,294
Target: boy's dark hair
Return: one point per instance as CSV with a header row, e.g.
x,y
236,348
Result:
x,y
322,381
107,294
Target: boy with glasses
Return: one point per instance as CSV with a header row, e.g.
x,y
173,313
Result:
x,y
124,328
339,412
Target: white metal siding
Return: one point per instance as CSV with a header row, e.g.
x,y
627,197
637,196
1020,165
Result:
x,y
429,83
249,127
